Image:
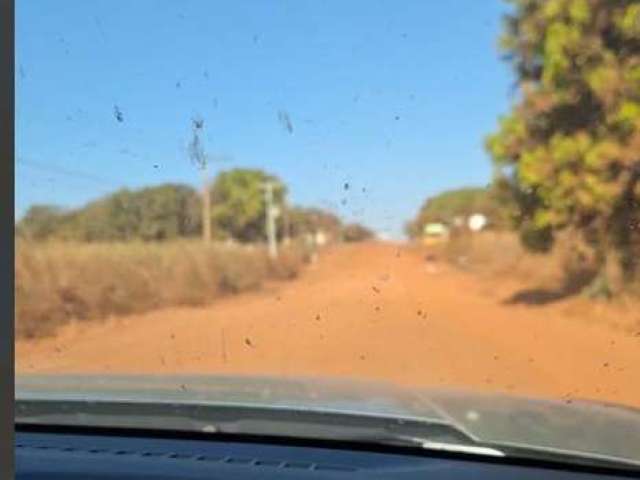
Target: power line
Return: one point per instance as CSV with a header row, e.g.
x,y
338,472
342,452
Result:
x,y
57,170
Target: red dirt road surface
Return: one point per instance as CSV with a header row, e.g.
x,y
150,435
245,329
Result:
x,y
372,311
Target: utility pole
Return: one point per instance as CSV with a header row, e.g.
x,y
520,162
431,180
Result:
x,y
199,158
286,221
271,213
206,206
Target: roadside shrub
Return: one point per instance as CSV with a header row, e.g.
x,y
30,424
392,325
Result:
x,y
59,282
288,264
241,269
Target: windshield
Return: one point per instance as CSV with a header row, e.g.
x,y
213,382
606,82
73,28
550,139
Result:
x,y
439,196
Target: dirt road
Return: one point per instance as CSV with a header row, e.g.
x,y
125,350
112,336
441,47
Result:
x,y
371,311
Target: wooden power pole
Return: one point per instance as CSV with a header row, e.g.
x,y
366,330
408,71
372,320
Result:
x,y
271,213
206,206
199,158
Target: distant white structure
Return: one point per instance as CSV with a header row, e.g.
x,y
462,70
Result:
x,y
384,236
477,222
320,238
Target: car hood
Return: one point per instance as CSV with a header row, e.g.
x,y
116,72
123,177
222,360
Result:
x,y
577,426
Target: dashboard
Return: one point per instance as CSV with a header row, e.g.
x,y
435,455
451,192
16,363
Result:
x,y
63,455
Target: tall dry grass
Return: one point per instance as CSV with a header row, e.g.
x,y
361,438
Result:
x,y
501,255
516,275
59,282
568,268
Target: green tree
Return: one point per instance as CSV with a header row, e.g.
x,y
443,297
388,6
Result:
x,y
354,232
568,153
40,222
154,213
450,204
238,203
168,211
310,220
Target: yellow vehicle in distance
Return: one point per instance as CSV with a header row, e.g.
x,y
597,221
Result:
x,y
435,234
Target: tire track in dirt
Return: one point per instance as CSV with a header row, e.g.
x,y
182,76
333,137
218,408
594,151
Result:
x,y
373,311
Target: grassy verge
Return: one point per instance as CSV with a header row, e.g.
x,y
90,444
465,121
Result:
x,y
517,276
59,282
500,254
568,266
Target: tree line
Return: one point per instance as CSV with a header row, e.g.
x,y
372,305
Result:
x,y
448,205
171,211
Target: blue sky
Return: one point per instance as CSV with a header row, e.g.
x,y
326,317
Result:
x,y
393,98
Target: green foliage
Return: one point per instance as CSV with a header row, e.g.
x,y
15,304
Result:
x,y
449,204
238,203
309,220
354,232
155,213
39,222
239,209
168,212
569,151
175,211
536,239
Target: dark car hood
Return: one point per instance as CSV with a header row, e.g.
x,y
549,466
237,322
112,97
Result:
x,y
604,430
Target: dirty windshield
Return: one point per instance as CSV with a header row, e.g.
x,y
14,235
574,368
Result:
x,y
441,196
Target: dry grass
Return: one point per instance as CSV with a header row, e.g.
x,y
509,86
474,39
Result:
x,y
59,282
516,276
500,254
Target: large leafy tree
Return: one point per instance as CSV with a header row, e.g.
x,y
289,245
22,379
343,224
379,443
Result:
x,y
446,206
238,206
568,153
